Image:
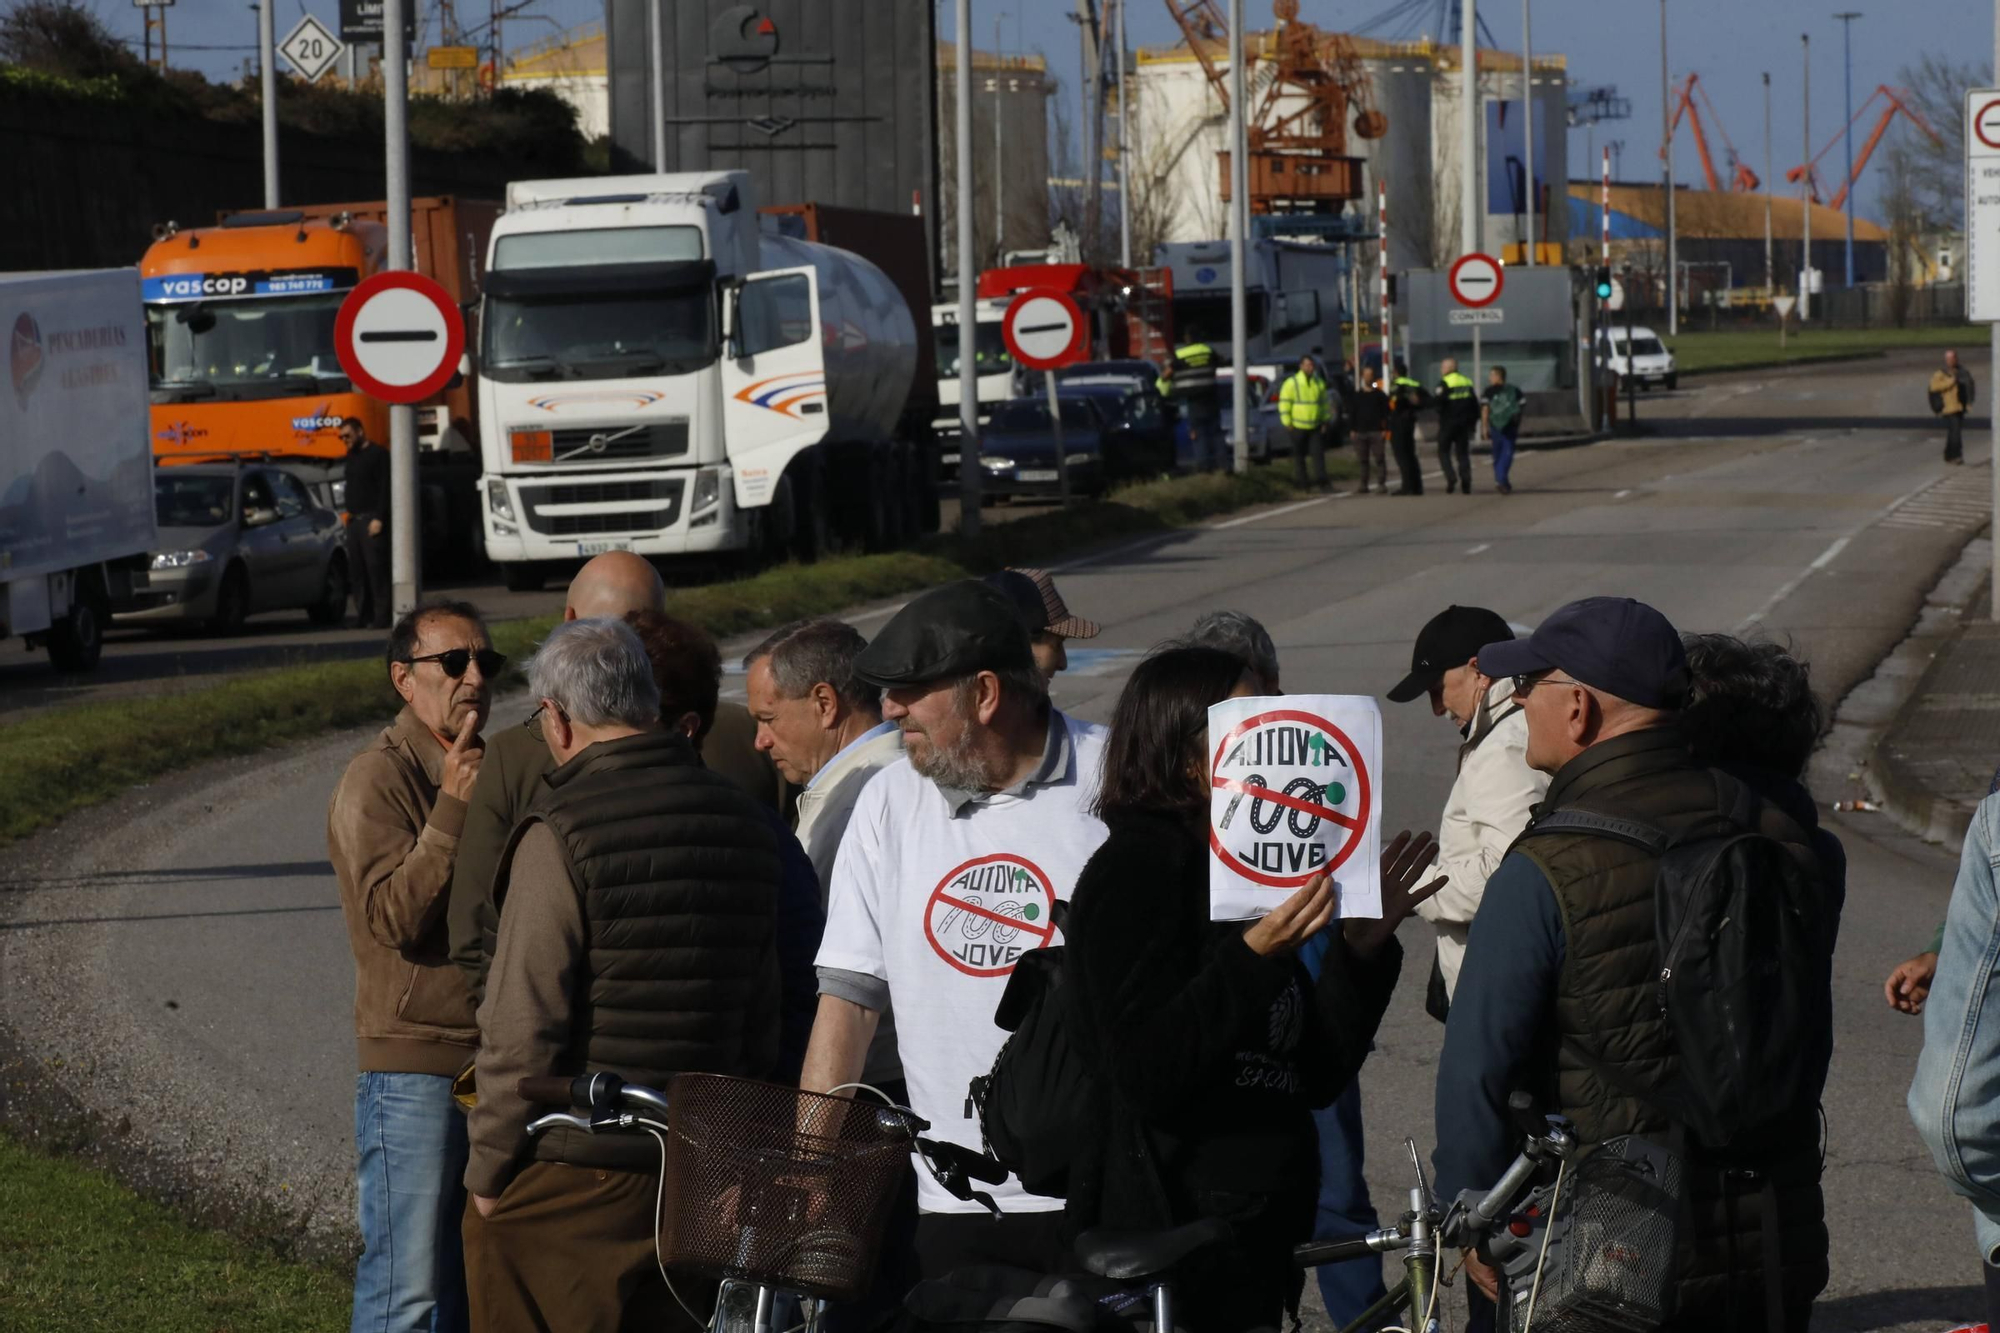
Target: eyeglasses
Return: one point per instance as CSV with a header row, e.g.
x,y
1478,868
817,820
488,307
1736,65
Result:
x,y
1528,680
454,661
533,721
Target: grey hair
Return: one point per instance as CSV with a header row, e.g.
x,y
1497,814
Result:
x,y
597,672
1234,632
814,650
1024,683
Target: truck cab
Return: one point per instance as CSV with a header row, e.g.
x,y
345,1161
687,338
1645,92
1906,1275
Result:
x,y
992,363
1291,289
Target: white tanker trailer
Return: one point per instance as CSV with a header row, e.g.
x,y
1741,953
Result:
x,y
660,373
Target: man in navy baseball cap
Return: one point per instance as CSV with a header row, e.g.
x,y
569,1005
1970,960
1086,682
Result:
x,y
1622,650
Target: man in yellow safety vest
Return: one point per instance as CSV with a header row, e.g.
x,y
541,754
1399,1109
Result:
x,y
1302,411
1458,414
1189,380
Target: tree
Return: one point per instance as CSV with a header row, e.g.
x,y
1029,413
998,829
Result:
x,y
62,37
1899,200
1936,172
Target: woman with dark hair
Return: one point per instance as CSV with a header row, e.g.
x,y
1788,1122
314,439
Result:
x,y
1212,1042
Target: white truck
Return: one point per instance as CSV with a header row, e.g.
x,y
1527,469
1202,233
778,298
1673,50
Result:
x,y
992,364
76,458
661,371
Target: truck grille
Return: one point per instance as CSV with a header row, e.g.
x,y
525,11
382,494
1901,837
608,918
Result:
x,y
667,439
662,496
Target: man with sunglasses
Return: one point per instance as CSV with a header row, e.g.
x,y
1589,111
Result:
x,y
392,835
367,502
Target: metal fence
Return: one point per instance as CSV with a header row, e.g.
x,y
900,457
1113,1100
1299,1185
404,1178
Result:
x,y
1872,306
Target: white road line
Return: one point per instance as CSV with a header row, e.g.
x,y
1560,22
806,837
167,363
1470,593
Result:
x,y
1483,546
1826,558
1621,495
1273,513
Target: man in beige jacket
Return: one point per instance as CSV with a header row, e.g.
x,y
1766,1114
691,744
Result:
x,y
392,835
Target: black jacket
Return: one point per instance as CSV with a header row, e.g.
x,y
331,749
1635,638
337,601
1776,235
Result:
x,y
367,474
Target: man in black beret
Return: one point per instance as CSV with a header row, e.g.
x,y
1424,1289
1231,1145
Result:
x,y
952,864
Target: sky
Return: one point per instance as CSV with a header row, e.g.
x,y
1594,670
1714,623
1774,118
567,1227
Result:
x,y
1730,43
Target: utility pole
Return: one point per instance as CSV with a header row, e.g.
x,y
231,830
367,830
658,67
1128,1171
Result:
x,y
1770,270
1667,165
268,81
1993,368
1124,150
1239,210
1468,120
656,79
402,418
1528,118
999,193
1847,18
968,279
1805,191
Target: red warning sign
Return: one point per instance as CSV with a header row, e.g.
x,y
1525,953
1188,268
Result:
x,y
1299,797
985,914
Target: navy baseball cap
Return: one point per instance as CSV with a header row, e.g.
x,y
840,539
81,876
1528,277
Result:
x,y
1614,644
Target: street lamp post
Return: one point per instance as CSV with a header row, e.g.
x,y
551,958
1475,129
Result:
x,y
999,193
1528,119
968,280
1770,272
1667,164
1847,18
1239,225
1805,190
1124,150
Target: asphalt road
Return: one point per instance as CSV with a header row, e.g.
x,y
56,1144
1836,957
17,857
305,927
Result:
x,y
182,956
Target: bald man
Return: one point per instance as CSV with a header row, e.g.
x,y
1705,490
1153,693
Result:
x,y
611,585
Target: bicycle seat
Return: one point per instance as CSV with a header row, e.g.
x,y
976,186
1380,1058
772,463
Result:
x,y
1129,1256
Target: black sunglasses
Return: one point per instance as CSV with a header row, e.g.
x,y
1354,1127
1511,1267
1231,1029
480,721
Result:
x,y
454,661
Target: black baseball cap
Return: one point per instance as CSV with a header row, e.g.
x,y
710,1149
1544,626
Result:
x,y
1614,644
953,630
1453,637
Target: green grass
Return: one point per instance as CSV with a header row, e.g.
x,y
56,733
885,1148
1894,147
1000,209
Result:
x,y
80,1252
1699,350
58,762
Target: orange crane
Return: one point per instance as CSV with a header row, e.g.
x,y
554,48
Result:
x,y
1741,178
1894,102
1298,158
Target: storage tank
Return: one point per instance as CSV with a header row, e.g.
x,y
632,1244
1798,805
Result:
x,y
868,337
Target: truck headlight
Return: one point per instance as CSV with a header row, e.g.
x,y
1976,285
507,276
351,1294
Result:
x,y
996,463
179,559
707,490
497,500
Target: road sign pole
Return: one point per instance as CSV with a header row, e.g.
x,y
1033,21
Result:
x,y
969,476
656,82
1055,424
402,418
1992,362
267,57
1239,212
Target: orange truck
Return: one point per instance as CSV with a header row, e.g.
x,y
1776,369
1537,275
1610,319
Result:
x,y
240,319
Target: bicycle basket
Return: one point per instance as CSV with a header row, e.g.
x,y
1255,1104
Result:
x,y
1611,1263
770,1184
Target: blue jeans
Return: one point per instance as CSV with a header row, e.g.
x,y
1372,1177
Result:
x,y
1503,453
410,1182
1344,1208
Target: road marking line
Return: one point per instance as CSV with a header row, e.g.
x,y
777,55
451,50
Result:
x,y
1826,558
1273,513
1483,546
1621,495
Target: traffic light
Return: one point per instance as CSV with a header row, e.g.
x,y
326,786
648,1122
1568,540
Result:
x,y
1603,283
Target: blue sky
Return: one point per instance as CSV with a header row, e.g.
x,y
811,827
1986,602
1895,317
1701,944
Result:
x,y
1728,42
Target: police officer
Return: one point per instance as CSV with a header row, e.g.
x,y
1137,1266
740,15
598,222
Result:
x,y
1458,414
1302,411
1406,399
1190,380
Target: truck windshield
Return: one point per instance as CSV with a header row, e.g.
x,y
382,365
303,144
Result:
x,y
276,348
989,350
598,336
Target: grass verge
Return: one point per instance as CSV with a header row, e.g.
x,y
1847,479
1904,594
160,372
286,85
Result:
x,y
1698,351
81,1252
64,760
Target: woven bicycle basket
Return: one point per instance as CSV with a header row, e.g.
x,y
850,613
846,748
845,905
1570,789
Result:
x,y
1612,1259
770,1184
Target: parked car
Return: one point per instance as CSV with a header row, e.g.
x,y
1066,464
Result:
x,y
236,541
1018,448
1138,437
1266,439
1636,352
1133,371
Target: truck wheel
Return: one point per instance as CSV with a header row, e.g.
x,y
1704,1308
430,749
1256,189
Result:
x,y
232,603
811,532
522,576
331,608
77,641
774,532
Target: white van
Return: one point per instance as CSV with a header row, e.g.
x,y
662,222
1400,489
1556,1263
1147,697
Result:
x,y
1636,352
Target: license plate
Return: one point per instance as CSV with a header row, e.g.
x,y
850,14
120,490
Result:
x,y
1036,474
599,548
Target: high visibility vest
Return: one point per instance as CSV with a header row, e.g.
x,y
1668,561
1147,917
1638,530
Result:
x,y
1405,396
1458,401
1194,371
1302,402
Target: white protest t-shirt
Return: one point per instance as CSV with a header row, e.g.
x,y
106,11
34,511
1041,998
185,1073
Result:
x,y
940,906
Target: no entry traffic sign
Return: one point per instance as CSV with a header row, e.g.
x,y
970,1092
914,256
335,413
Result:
x,y
1982,205
399,337
1294,795
1044,330
1476,280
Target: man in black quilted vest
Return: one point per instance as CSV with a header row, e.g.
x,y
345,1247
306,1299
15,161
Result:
x,y
1557,996
637,935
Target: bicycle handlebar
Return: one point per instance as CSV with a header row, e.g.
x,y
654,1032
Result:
x,y
554,1090
1314,1253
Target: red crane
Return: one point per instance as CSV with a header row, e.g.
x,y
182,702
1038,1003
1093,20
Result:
x,y
1894,99
1741,178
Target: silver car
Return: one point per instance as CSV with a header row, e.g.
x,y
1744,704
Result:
x,y
235,541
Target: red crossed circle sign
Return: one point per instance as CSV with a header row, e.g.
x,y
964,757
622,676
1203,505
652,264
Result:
x,y
1476,280
983,915
1986,123
1352,826
399,337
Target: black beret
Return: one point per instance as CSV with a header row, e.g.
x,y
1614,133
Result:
x,y
955,630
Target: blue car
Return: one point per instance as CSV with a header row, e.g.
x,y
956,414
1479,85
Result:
x,y
1017,450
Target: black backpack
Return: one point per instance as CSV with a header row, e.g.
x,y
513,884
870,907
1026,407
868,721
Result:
x,y
1744,936
1032,1104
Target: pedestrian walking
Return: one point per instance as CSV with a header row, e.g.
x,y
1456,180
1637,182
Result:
x,y
1562,976
985,824
392,835
640,938
1951,396
1302,411
1495,790
366,471
1210,1036
1044,615
1406,399
1458,414
1371,421
1190,381
1501,419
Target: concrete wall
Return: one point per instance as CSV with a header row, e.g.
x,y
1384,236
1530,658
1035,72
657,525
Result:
x,y
1012,176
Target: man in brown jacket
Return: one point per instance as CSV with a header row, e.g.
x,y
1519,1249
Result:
x,y
1951,396
392,834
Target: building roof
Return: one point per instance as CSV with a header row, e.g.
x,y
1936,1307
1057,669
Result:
x,y
1636,211
580,51
1257,45
947,58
